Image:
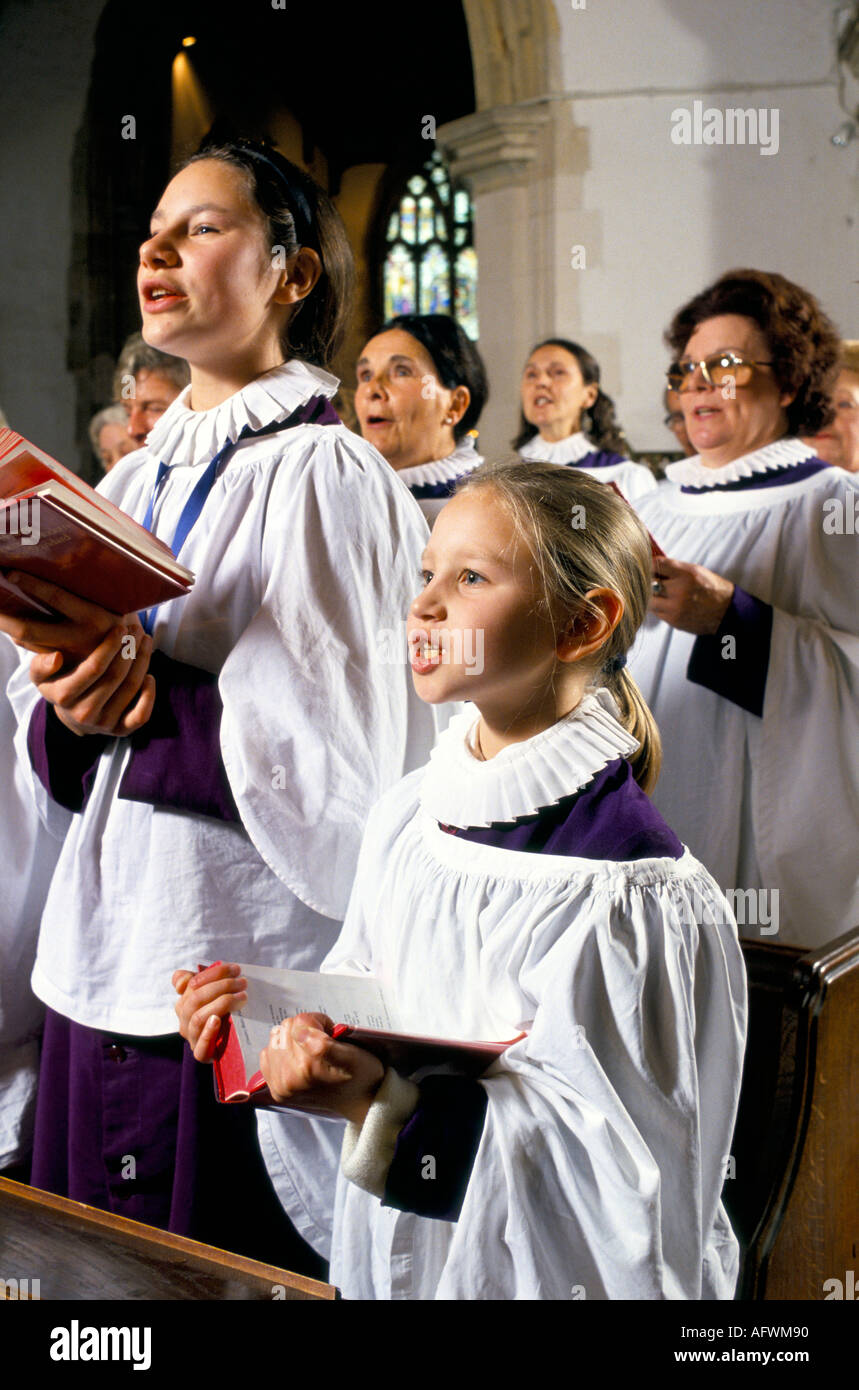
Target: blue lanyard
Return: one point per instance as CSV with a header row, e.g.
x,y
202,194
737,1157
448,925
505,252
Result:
x,y
190,513
196,502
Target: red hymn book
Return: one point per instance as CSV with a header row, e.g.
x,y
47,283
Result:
x,y
56,527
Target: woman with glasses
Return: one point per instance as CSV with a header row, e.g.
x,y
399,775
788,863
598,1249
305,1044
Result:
x,y
567,418
750,658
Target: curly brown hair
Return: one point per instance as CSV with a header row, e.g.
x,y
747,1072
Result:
x,y
803,343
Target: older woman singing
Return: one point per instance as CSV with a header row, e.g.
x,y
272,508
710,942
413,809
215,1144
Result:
x,y
750,658
421,387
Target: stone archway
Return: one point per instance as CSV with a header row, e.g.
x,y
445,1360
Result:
x,y
514,50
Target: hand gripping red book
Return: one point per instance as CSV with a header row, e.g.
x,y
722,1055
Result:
x,y
55,526
370,1022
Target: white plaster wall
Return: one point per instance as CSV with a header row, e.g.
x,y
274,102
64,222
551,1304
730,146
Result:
x,y
659,221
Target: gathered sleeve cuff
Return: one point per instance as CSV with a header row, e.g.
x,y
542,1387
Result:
x,y
176,757
734,661
64,762
417,1145
368,1149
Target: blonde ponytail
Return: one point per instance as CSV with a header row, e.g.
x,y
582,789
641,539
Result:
x,y
636,718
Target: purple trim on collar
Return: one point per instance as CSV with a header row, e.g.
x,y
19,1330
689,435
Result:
x,y
738,673
423,491
317,411
598,458
448,1123
780,477
64,763
176,756
611,818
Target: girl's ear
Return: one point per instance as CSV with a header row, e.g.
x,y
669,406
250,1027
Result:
x,y
299,278
590,628
590,396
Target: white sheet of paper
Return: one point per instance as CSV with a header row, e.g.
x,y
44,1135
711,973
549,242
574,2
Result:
x,y
274,995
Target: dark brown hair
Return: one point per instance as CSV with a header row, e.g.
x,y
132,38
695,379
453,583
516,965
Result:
x,y
298,213
599,423
802,341
455,358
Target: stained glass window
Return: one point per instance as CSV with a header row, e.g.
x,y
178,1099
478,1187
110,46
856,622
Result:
x,y
466,286
435,281
429,261
400,281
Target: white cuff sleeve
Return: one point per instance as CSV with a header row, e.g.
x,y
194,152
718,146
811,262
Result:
x,y
368,1149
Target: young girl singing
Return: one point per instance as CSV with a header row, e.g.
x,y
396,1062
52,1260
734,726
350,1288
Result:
x,y
220,767
523,882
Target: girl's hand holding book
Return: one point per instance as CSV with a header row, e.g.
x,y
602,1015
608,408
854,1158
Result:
x,y
204,1001
75,631
109,692
90,664
303,1061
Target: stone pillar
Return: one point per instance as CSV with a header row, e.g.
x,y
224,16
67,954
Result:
x,y
509,156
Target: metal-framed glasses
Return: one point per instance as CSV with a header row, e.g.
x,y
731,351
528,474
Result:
x,y
716,370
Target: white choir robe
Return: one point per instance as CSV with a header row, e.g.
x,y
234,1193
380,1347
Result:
x,y
770,804
306,556
28,854
433,484
577,451
600,1164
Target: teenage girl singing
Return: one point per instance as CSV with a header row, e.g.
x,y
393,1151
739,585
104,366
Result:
x,y
216,783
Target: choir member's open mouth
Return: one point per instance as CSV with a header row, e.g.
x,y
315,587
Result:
x,y
158,294
426,650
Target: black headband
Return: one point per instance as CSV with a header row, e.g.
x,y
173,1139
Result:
x,y
298,202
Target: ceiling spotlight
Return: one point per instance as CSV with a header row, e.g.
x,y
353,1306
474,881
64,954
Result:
x,y
844,134
190,41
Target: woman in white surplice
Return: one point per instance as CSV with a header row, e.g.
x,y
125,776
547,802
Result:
x,y
568,419
421,387
750,658
524,883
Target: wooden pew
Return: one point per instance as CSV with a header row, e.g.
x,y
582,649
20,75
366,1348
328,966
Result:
x,y
794,1196
77,1252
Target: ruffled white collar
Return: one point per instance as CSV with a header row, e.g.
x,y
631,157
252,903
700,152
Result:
x,y
463,460
193,437
692,472
569,450
458,789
